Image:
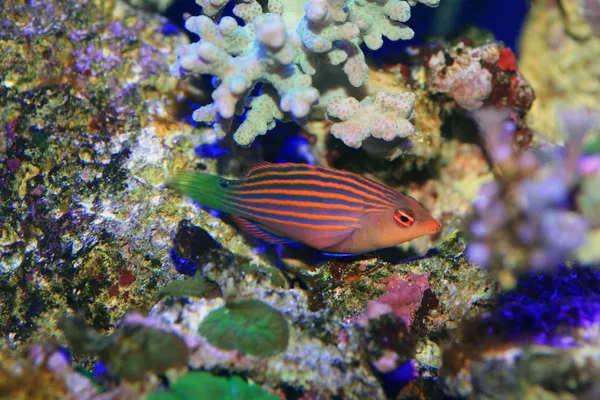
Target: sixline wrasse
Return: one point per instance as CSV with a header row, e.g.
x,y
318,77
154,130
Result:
x,y
330,210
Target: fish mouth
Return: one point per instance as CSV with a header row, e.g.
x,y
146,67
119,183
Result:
x,y
433,226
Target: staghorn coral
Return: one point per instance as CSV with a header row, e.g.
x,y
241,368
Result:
x,y
266,51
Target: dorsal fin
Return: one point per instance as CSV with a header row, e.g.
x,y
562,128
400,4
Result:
x,y
257,165
259,232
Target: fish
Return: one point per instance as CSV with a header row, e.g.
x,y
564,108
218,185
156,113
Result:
x,y
333,211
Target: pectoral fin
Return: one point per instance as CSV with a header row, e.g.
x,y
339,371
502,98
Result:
x,y
260,232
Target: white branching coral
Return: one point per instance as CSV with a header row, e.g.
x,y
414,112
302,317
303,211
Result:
x,y
265,51
385,116
239,57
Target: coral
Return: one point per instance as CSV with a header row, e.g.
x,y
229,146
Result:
x,y
477,76
525,219
403,298
465,79
249,326
132,351
384,117
210,387
445,289
265,51
377,19
240,57
434,74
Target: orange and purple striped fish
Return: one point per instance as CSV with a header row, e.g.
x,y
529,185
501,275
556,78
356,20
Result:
x,y
333,211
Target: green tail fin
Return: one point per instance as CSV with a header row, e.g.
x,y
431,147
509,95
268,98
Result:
x,y
206,189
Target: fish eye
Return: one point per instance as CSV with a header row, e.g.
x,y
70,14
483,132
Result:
x,y
403,218
224,184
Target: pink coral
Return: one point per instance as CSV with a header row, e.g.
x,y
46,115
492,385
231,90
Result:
x,y
403,298
459,73
474,77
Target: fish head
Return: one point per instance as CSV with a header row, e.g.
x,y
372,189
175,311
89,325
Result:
x,y
405,221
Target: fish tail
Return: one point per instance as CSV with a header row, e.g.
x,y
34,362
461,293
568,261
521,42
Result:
x,y
206,189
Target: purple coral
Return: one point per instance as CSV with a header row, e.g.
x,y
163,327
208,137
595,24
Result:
x,y
526,217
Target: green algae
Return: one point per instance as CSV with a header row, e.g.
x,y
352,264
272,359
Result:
x,y
202,385
195,287
183,288
132,351
249,326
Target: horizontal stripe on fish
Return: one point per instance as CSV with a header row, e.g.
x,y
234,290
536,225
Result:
x,y
315,185
271,220
329,176
293,213
323,197
283,206
296,203
299,169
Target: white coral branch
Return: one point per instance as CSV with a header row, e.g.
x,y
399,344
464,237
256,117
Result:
x,y
385,116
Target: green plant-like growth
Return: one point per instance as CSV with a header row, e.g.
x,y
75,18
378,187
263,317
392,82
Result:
x,y
202,385
131,352
249,326
184,288
147,350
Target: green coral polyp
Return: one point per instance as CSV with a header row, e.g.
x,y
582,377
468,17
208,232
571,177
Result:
x,y
249,326
202,385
